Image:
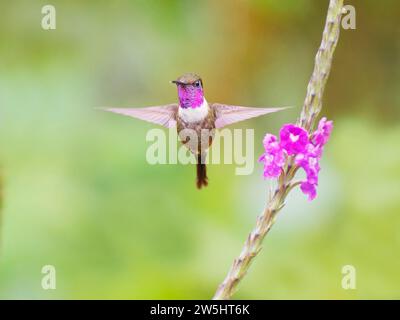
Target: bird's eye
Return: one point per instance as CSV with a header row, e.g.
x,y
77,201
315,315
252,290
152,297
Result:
x,y
197,84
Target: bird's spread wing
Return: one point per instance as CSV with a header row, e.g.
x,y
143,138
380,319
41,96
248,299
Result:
x,y
226,114
161,115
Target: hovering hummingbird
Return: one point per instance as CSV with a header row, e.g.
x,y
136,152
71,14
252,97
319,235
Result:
x,y
195,113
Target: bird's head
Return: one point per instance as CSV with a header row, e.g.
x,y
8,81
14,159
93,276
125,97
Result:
x,y
190,90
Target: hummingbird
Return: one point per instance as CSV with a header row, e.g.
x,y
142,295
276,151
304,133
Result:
x,y
195,113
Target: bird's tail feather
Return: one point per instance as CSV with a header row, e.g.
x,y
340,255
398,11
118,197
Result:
x,y
202,179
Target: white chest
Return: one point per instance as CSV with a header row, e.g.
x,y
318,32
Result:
x,y
194,114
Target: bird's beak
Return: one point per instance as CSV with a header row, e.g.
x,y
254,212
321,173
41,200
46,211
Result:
x,y
176,82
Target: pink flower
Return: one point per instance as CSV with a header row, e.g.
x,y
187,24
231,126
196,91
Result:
x,y
310,163
309,189
273,158
307,150
313,151
270,142
293,139
322,134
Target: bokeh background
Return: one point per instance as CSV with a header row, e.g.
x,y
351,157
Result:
x,y
77,190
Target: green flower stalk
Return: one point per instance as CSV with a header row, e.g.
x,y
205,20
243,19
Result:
x,y
285,181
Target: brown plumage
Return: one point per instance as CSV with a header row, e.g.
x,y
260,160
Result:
x,y
204,131
201,120
202,179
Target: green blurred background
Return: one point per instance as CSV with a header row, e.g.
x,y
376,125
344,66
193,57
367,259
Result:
x,y
79,195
